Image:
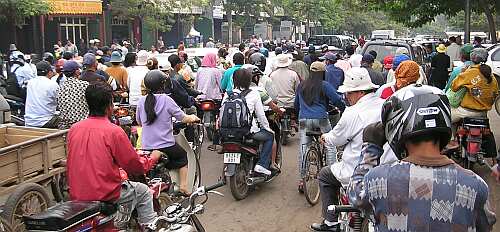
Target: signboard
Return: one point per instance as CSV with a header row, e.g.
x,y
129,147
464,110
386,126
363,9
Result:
x,y
218,12
75,6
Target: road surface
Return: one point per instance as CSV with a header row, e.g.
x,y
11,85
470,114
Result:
x,y
277,206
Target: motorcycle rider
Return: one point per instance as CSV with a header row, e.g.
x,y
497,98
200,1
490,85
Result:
x,y
97,149
23,73
312,103
208,78
154,115
333,74
285,81
424,191
227,79
364,110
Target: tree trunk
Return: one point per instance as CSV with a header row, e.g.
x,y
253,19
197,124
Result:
x,y
229,14
491,20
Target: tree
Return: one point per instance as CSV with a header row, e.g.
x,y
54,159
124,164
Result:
x,y
417,13
247,8
14,12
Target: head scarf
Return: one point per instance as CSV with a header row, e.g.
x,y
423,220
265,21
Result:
x,y
355,60
407,73
209,60
398,60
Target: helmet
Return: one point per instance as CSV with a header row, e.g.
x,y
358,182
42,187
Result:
x,y
254,70
324,46
258,60
264,52
155,80
278,50
479,55
17,56
416,110
48,57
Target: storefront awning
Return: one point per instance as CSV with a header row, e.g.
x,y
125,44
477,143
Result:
x,y
75,7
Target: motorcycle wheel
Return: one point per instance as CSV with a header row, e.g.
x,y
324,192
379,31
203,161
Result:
x,y
312,168
238,182
279,155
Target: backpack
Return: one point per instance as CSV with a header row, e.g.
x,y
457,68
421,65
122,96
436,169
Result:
x,y
235,118
13,87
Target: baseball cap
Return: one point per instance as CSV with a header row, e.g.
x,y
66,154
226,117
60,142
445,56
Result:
x,y
388,61
368,58
70,66
317,66
398,60
43,67
329,56
466,49
89,59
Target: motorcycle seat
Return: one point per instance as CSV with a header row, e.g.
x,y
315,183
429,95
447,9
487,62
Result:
x,y
476,122
63,215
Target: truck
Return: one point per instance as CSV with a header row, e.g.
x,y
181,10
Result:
x,y
383,34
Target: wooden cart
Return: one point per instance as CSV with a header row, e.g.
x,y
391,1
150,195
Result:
x,y
31,165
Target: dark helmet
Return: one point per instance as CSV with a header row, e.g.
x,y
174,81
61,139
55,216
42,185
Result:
x,y
255,71
278,50
264,51
258,60
155,80
48,55
311,49
416,110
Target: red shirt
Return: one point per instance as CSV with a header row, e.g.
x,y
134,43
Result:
x,y
96,150
387,92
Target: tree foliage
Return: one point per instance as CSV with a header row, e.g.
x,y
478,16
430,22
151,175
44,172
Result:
x,y
16,11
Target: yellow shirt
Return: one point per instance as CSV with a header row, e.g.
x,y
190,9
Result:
x,y
480,94
120,74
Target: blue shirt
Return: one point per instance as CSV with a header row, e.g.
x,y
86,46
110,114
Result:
x,y
454,74
318,110
334,76
227,80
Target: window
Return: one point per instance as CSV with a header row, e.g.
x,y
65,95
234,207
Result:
x,y
496,55
73,29
118,21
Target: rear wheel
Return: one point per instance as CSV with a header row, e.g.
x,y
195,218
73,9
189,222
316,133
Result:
x,y
279,155
238,182
312,166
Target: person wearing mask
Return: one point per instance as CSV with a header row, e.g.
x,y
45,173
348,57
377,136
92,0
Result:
x,y
154,114
208,78
104,148
376,76
41,98
71,97
424,191
285,81
117,71
260,130
333,74
311,56
453,51
227,79
439,68
465,58
407,73
364,110
312,104
136,73
377,66
299,66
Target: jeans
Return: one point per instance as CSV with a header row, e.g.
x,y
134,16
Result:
x,y
329,188
309,125
135,195
267,139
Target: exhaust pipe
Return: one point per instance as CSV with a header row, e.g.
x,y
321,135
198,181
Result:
x,y
255,180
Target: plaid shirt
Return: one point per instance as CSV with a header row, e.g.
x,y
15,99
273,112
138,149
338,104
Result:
x,y
407,197
71,102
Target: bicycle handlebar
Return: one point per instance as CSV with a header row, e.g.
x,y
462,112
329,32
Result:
x,y
342,208
215,186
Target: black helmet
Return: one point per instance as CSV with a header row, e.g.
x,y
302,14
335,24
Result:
x,y
48,55
155,80
278,50
259,60
255,70
416,110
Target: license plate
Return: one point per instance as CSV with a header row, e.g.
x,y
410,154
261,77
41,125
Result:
x,y
232,158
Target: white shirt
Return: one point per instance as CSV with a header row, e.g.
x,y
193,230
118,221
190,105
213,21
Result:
x,y
136,75
453,51
349,132
23,73
41,101
256,109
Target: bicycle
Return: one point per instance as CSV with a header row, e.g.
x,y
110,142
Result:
x,y
313,161
351,219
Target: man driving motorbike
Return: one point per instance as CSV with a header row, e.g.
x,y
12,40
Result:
x,y
424,191
97,149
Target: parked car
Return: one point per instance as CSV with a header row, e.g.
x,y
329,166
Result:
x,y
494,58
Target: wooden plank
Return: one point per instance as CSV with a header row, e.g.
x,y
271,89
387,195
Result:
x,y
34,129
39,178
46,156
19,131
15,139
20,177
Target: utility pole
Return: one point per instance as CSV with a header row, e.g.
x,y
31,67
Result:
x,y
467,22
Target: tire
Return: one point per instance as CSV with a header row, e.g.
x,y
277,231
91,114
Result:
x,y
210,133
279,155
312,166
13,208
196,223
237,182
5,225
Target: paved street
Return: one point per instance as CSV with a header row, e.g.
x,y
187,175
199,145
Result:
x,y
277,206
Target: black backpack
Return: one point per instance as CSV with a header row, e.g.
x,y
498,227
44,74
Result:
x,y
13,87
235,118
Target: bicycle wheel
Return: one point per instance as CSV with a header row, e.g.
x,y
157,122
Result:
x,y
312,166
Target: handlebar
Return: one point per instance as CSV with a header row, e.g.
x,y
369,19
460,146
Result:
x,y
215,186
342,208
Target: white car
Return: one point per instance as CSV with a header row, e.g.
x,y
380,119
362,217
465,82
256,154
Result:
x,y
494,58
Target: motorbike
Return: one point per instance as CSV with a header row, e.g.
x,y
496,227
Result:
x,y
286,126
470,136
17,107
240,158
210,109
79,216
124,116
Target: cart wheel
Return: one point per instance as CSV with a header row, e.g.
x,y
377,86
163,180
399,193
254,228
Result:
x,y
27,199
5,225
